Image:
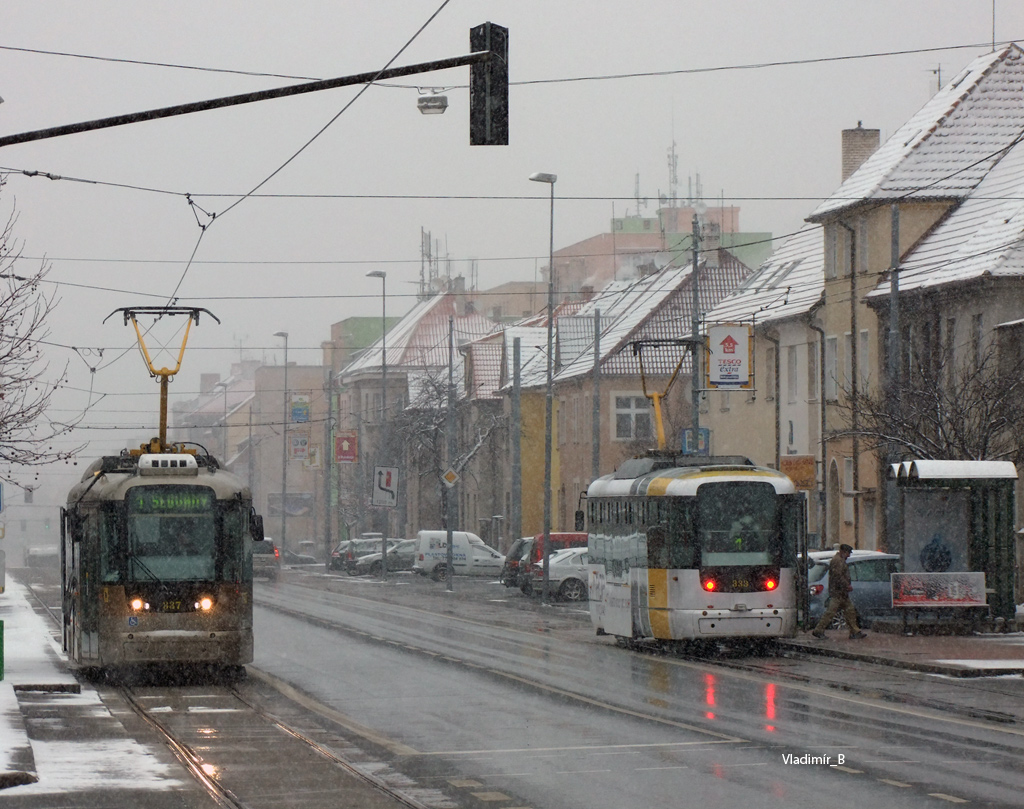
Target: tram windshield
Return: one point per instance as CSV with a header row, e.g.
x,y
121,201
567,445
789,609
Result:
x,y
737,524
171,533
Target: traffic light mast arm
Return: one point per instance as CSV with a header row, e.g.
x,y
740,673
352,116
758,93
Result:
x,y
246,98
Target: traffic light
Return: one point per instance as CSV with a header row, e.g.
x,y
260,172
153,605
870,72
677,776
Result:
x,y
488,87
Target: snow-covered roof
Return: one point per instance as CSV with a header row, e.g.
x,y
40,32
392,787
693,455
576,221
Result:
x,y
657,306
952,142
420,339
983,237
788,284
952,470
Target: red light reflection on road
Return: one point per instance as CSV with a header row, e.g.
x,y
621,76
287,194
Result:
x,y
709,694
769,705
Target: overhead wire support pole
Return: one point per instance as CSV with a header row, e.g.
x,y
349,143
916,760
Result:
x,y
246,98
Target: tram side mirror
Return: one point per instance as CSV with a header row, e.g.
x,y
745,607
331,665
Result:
x,y
580,522
256,527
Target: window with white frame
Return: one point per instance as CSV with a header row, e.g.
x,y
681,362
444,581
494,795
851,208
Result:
x,y
863,366
791,374
812,372
831,251
848,491
848,361
832,368
632,418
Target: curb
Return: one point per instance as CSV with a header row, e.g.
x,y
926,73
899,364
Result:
x,y
914,665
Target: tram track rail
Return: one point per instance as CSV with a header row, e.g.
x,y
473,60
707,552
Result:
x,y
202,770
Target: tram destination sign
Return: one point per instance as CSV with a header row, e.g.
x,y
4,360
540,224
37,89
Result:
x,y
170,499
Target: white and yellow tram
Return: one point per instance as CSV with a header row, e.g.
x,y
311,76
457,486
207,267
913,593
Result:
x,y
685,548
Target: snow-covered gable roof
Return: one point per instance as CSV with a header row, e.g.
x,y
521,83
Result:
x,y
944,150
532,343
420,339
983,237
656,306
787,285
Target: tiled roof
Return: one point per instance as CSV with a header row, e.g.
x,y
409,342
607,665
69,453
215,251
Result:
x,y
657,306
420,340
983,237
786,285
484,362
944,150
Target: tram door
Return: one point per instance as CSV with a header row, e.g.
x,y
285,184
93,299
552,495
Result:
x,y
70,561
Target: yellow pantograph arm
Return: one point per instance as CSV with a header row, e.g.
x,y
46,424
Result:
x,y
163,372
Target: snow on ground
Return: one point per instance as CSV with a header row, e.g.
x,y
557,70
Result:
x,y
32,656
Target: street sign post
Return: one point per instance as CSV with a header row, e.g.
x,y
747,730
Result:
x,y
385,486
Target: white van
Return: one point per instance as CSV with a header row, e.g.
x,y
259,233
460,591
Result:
x,y
470,555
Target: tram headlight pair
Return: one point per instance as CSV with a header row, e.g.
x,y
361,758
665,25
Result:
x,y
204,604
138,604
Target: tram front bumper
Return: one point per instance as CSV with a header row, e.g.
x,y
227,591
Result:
x,y
756,622
186,646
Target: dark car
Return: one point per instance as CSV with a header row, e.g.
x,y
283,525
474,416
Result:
x,y
266,559
400,557
345,553
510,571
870,576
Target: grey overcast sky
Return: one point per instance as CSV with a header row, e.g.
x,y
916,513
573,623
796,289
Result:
x,y
753,94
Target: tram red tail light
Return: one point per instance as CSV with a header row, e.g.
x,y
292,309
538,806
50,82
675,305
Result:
x,y
817,589
770,584
710,585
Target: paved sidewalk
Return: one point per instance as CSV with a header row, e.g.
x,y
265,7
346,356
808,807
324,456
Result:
x,y
978,655
60,744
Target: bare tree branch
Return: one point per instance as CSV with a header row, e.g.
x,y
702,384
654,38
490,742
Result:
x,y
26,434
966,410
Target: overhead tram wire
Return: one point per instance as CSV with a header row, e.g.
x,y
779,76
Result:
x,y
563,80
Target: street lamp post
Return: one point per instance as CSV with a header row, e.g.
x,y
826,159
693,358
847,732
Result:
x,y
541,177
284,445
383,276
224,430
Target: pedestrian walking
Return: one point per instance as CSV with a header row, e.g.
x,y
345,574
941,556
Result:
x,y
839,589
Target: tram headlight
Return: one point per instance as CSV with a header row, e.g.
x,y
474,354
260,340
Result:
x,y
205,604
138,604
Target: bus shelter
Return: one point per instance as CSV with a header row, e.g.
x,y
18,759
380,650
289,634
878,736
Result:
x,y
956,535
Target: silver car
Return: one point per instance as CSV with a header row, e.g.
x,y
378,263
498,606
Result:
x,y
870,576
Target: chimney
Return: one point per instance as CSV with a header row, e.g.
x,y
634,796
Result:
x,y
858,145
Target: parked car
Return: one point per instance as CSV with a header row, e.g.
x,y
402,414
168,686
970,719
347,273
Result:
x,y
345,553
293,558
559,541
567,575
869,575
266,559
470,555
401,556
510,570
